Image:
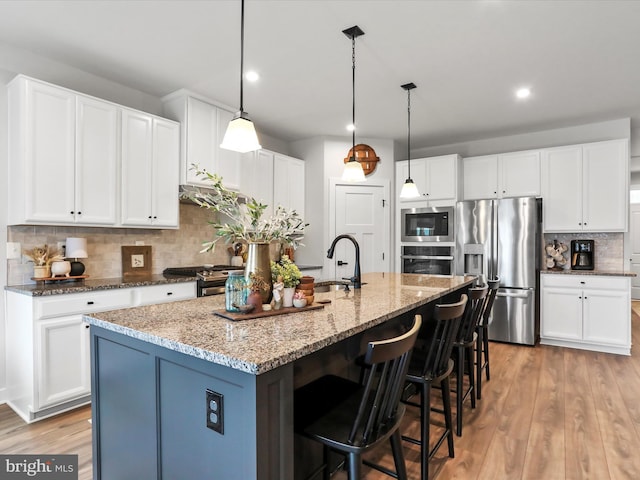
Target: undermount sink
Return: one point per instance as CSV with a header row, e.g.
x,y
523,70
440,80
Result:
x,y
332,285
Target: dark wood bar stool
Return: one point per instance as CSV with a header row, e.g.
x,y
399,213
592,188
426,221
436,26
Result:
x,y
431,364
463,351
482,345
352,418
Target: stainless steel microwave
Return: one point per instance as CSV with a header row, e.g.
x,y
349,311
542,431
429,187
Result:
x,y
431,224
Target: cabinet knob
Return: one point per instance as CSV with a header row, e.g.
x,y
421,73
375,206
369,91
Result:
x,y
86,326
582,283
71,212
149,217
585,298
90,302
154,217
169,293
579,223
79,213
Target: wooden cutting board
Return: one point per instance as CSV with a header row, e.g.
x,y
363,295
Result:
x,y
235,316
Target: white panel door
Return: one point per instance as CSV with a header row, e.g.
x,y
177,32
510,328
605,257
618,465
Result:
x,y
201,138
562,189
227,162
50,154
441,178
137,168
166,172
606,317
520,174
360,213
634,236
96,161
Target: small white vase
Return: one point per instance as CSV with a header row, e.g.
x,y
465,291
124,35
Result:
x,y
287,297
60,269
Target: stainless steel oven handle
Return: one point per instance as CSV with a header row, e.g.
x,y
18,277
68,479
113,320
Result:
x,y
513,295
427,257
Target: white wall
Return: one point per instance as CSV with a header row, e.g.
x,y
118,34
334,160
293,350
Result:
x,y
593,132
324,160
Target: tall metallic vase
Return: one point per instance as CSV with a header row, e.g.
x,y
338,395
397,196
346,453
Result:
x,y
258,262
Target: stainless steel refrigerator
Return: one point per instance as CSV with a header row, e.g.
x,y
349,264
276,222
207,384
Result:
x,y
503,238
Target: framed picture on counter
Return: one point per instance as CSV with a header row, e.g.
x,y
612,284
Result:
x,y
136,260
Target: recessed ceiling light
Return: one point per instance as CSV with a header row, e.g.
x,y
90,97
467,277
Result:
x,y
252,76
523,92
351,127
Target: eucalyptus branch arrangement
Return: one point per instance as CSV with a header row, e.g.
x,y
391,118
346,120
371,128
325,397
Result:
x,y
244,218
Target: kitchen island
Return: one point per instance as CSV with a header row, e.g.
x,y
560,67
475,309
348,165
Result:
x,y
152,367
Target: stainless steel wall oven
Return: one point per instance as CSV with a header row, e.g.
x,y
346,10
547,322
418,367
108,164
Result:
x,y
428,259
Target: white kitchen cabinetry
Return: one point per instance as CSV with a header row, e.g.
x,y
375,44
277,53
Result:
x,y
589,312
171,292
585,187
63,156
203,127
515,174
435,177
150,149
48,367
274,179
288,183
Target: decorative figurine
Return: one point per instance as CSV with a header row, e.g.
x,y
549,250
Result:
x,y
278,293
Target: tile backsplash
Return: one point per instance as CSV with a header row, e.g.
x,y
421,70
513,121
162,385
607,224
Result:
x,y
609,248
169,247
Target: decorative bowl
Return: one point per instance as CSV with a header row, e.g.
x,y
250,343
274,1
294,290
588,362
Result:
x,y
299,302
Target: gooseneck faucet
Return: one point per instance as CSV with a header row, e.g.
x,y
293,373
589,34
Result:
x,y
357,283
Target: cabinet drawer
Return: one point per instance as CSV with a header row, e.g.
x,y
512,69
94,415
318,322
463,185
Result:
x,y
83,303
585,281
164,293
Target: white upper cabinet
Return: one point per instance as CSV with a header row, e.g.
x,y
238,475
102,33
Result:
x,y
150,149
203,127
274,179
505,175
63,156
288,183
585,187
435,177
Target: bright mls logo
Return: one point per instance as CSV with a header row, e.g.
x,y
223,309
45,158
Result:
x,y
50,467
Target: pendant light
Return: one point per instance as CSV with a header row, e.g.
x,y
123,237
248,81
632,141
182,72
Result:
x,y
409,189
241,134
353,171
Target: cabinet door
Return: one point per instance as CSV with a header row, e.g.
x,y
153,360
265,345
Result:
x,y
96,162
441,178
418,175
607,317
227,162
200,137
165,173
63,364
605,186
50,154
480,177
257,178
519,174
288,182
562,189
561,316
137,168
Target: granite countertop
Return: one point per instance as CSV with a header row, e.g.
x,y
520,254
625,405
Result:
x,y
259,345
609,273
57,287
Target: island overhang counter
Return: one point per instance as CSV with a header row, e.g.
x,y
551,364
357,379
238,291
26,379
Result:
x,y
152,367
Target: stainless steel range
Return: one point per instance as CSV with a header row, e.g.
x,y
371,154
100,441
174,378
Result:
x,y
210,278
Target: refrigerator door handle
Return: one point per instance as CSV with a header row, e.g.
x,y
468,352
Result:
x,y
514,295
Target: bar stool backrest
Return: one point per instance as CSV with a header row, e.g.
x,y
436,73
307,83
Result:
x,y
440,344
473,313
388,360
493,290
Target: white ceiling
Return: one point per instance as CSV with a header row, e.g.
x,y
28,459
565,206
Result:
x,y
580,59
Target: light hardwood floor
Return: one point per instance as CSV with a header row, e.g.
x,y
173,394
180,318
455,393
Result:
x,y
547,413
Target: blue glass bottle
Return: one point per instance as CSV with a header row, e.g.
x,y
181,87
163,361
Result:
x,y
235,291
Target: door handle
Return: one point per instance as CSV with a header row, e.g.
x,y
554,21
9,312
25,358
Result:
x,y
340,263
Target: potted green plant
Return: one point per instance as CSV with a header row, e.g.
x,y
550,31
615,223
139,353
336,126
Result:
x,y
243,219
290,275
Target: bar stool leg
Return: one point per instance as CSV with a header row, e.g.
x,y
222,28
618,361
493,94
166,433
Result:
x,y
398,456
448,420
479,345
472,388
425,419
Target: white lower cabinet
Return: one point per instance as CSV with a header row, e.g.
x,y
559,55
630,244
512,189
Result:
x,y
48,358
589,312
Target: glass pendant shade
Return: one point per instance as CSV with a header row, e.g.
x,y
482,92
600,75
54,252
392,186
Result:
x,y
353,172
409,190
241,135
